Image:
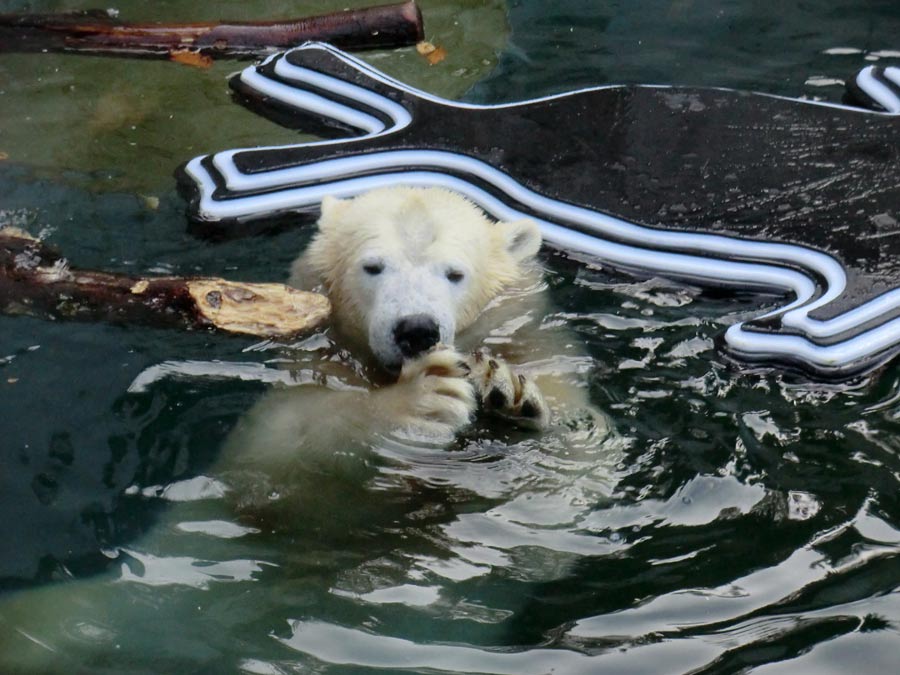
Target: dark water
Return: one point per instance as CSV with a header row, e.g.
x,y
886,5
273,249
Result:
x,y
737,520
799,49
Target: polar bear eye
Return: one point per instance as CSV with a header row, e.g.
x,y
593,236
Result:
x,y
373,269
455,276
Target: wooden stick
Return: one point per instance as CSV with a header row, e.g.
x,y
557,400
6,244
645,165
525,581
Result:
x,y
97,32
37,281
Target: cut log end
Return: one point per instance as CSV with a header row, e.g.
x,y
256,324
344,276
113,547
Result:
x,y
266,310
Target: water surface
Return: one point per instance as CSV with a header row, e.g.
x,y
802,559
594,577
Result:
x,y
737,520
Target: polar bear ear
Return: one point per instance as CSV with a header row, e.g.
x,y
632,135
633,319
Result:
x,y
522,238
331,209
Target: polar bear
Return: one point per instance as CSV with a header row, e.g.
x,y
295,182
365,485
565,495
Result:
x,y
421,282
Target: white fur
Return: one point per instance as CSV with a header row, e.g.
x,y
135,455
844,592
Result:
x,y
417,237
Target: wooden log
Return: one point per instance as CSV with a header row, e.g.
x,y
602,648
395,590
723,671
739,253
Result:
x,y
37,281
98,32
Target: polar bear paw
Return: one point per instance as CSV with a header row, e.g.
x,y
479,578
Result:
x,y
507,394
436,395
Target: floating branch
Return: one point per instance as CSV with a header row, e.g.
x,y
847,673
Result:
x,y
99,32
37,281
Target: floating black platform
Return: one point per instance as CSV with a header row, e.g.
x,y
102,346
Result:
x,y
721,187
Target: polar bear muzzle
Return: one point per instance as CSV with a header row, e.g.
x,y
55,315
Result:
x,y
407,312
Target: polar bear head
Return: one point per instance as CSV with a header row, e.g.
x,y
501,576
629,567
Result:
x,y
406,268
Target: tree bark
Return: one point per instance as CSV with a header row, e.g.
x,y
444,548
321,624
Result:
x,y
37,281
97,32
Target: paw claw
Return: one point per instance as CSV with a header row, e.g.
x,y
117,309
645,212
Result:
x,y
507,394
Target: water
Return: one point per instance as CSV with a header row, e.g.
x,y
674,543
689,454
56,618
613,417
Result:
x,y
737,520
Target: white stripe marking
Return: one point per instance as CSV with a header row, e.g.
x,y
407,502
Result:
x,y
893,74
311,102
879,92
398,114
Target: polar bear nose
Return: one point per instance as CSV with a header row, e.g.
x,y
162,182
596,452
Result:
x,y
415,334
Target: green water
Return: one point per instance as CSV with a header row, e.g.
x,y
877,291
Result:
x,y
738,520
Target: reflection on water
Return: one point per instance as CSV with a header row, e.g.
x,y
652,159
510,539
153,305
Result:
x,y
728,515
734,519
